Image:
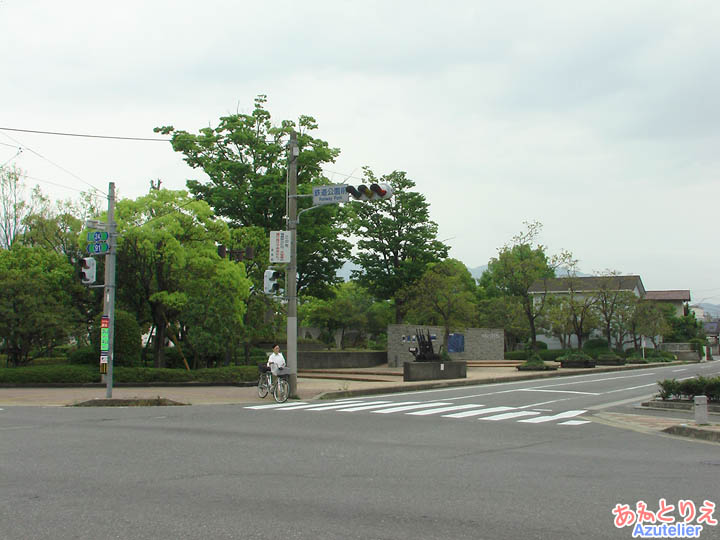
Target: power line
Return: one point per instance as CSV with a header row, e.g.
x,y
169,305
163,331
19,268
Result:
x,y
55,164
85,135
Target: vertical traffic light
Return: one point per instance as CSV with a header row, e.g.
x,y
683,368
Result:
x,y
271,285
88,270
373,192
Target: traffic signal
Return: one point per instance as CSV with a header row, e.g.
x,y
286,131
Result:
x,y
271,281
373,192
88,270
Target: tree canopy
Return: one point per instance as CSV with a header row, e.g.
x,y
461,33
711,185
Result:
x,y
396,239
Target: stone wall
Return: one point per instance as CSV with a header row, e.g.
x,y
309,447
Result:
x,y
340,359
480,343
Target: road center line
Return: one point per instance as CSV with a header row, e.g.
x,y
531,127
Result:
x,y
533,405
558,391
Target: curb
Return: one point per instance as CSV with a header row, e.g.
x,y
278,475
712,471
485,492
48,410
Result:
x,y
477,382
694,432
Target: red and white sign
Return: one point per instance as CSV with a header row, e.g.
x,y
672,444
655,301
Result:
x,y
280,246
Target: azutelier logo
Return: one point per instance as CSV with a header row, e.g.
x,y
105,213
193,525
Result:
x,y
663,523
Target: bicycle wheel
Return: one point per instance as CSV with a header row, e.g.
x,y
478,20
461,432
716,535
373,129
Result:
x,y
282,390
262,386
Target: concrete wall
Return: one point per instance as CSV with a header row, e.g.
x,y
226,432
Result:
x,y
340,359
480,343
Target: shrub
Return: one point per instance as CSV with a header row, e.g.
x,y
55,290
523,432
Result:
x,y
576,359
516,355
84,355
79,374
610,360
595,343
50,374
553,354
689,388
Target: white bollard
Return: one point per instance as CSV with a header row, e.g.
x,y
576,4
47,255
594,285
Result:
x,y
701,410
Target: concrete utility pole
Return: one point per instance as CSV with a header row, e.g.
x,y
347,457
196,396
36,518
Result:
x,y
109,296
291,276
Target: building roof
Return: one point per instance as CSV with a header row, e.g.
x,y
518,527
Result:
x,y
669,296
588,284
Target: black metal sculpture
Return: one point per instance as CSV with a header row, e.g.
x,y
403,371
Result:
x,y
424,351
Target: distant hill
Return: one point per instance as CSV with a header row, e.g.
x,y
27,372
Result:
x,y
712,309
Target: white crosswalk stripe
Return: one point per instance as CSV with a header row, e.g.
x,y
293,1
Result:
x,y
439,408
508,416
445,409
540,419
409,407
374,405
276,405
313,406
467,414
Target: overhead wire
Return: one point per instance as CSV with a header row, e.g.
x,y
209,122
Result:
x,y
99,191
85,135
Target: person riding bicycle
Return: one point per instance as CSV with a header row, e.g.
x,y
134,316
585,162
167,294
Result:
x,y
275,361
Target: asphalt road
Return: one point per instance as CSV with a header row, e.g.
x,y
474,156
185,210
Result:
x,y
321,471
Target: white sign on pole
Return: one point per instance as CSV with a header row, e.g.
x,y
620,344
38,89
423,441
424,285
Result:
x,y
280,246
330,194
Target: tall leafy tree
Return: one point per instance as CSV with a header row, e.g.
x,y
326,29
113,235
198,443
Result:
x,y
170,274
396,239
444,295
36,310
518,266
245,160
15,205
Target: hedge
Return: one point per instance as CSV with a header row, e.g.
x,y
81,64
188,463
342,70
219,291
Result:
x,y
552,354
82,374
689,388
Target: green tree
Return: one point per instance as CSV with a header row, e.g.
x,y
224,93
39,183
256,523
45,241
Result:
x,y
578,305
444,296
649,320
397,239
170,274
347,310
555,319
15,205
36,311
245,160
496,310
517,268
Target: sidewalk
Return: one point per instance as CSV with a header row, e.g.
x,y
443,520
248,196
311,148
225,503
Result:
x,y
343,383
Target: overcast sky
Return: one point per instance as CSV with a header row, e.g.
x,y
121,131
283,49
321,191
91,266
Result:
x,y
601,120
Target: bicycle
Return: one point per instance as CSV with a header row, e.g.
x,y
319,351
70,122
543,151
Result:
x,y
280,387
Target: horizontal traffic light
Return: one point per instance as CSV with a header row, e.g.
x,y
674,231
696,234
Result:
x,y
373,192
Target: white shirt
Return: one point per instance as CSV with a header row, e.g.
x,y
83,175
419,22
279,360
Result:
x,y
277,359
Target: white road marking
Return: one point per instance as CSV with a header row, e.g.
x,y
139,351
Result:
x,y
535,405
331,407
410,407
375,405
313,405
541,419
574,423
446,409
509,415
275,405
559,391
631,388
478,413
676,370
